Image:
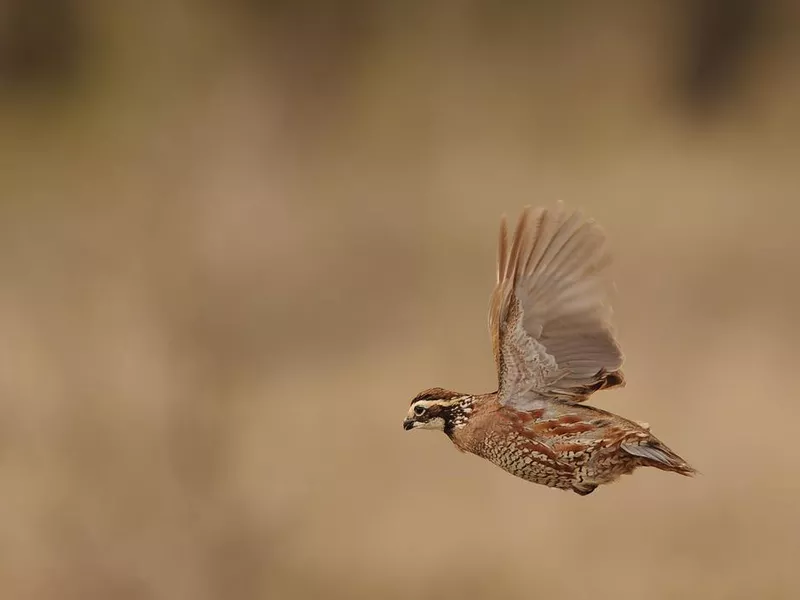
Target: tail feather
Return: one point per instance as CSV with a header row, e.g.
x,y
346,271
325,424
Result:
x,y
659,456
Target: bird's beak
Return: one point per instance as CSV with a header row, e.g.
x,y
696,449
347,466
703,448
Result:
x,y
408,424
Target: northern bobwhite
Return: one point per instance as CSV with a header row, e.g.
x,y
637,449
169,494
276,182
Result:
x,y
549,321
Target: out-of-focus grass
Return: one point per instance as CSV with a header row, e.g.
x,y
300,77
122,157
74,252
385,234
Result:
x,y
236,245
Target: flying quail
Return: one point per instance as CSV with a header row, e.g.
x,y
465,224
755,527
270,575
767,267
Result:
x,y
549,320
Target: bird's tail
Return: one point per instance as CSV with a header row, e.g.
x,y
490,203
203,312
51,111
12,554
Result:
x,y
655,454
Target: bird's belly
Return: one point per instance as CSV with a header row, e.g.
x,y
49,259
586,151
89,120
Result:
x,y
528,460
538,462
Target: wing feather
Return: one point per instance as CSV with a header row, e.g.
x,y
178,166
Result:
x,y
549,315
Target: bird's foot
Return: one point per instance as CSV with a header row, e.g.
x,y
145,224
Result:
x,y
584,489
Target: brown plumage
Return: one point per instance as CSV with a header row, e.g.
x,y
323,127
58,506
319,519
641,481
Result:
x,y
549,320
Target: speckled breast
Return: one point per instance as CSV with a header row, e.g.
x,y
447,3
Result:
x,y
526,458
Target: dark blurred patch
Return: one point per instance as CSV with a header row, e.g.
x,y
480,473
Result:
x,y
317,48
718,39
41,43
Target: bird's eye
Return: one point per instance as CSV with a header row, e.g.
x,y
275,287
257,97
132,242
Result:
x,y
418,410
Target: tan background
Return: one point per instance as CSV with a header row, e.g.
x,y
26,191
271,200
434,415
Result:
x,y
237,237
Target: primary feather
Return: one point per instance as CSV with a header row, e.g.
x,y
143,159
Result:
x,y
549,314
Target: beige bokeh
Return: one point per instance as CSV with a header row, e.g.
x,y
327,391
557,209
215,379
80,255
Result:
x,y
238,243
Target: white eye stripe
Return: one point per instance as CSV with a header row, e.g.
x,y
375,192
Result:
x,y
451,402
424,403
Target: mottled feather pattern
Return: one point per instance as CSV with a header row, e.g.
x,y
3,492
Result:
x,y
551,290
524,362
570,445
553,345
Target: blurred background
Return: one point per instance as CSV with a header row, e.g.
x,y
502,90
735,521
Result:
x,y
237,237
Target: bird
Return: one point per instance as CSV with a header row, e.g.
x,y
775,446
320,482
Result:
x,y
554,347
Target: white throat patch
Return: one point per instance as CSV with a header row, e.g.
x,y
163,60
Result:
x,y
435,423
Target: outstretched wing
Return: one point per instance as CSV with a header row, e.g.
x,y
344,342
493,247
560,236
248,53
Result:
x,y
549,317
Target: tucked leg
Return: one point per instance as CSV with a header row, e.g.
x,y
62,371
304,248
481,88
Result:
x,y
584,489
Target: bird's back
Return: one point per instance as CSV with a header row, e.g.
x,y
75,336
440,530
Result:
x,y
564,445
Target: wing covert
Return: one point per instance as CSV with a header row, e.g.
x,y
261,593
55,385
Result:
x,y
549,316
